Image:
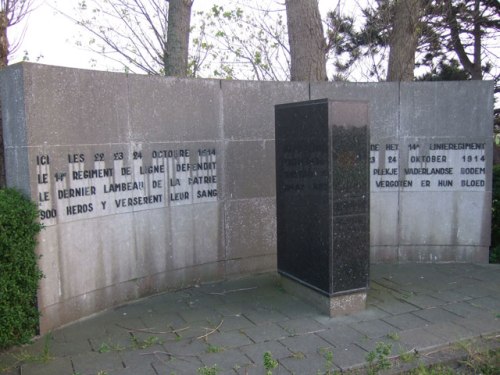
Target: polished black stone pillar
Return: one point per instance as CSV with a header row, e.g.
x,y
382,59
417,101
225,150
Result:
x,y
322,197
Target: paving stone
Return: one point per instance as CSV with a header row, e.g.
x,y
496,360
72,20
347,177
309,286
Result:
x,y
256,351
472,289
193,330
374,328
466,309
162,321
451,296
226,360
436,315
235,322
198,314
228,339
229,309
51,367
395,306
259,370
489,303
406,321
450,332
265,332
341,335
10,370
480,326
106,325
464,302
419,338
301,326
92,363
490,276
8,361
118,341
294,308
395,344
309,343
308,364
424,301
262,316
186,348
143,358
143,369
178,366
349,356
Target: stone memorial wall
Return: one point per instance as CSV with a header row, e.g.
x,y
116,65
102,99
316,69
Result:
x,y
147,184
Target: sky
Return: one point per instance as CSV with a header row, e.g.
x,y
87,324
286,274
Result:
x,y
50,37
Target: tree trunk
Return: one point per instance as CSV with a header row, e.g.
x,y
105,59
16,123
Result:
x,y
307,42
4,54
3,177
404,39
177,48
473,67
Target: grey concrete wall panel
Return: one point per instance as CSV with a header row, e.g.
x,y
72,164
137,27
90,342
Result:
x,y
250,169
17,168
255,264
384,219
436,254
195,235
454,218
170,109
13,108
249,106
250,228
74,107
49,262
447,109
14,135
384,254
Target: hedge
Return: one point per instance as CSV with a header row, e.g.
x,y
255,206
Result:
x,y
495,217
19,272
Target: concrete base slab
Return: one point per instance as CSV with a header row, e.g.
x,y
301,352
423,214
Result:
x,y
331,305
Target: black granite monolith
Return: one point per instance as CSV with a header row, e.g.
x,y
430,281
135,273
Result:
x,y
322,198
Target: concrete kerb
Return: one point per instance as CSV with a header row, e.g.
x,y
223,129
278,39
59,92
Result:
x,y
232,324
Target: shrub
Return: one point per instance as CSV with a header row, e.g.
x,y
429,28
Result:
x,y
495,217
19,272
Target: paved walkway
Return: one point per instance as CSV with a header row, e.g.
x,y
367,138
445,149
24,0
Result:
x,y
232,324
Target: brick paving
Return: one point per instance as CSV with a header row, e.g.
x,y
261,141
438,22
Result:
x,y
231,324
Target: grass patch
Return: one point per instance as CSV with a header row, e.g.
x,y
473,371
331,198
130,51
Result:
x,y
269,363
106,348
393,336
146,343
378,359
205,370
214,349
43,357
407,357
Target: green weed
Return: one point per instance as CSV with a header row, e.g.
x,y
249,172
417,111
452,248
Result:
x,y
269,363
205,370
146,343
393,336
106,348
378,359
43,357
327,353
407,357
298,355
214,349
